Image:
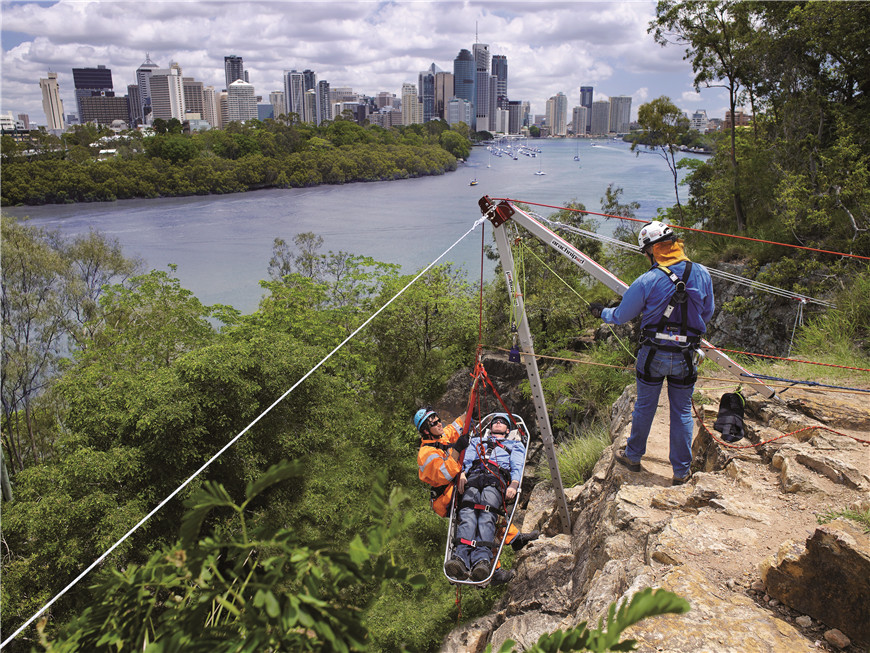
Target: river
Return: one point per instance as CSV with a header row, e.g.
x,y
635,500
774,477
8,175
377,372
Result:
x,y
222,243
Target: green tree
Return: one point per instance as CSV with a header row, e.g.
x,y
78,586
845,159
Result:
x,y
664,124
716,36
454,143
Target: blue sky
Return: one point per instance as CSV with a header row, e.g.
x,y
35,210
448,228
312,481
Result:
x,y
370,46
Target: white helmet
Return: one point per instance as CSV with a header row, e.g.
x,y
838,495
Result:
x,y
652,233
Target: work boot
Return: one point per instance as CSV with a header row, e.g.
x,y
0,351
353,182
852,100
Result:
x,y
455,568
624,460
522,539
501,576
681,480
480,571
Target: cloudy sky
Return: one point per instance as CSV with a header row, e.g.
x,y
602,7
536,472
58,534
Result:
x,y
370,46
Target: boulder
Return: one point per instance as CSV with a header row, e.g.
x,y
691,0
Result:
x,y
828,578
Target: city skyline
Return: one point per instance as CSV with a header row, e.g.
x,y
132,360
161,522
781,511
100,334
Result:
x,y
551,47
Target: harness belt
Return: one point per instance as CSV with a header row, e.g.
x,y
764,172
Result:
x,y
482,507
684,337
474,544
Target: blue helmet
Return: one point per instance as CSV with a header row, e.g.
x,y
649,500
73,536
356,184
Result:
x,y
501,416
422,416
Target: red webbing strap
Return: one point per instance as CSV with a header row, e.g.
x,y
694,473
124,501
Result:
x,y
498,396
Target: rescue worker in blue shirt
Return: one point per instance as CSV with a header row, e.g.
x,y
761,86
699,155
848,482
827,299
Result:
x,y
675,298
492,471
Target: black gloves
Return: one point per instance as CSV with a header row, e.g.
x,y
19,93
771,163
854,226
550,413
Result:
x,y
461,442
595,308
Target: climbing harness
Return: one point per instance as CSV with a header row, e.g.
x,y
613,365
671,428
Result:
x,y
675,329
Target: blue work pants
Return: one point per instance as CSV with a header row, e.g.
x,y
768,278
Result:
x,y
671,364
478,525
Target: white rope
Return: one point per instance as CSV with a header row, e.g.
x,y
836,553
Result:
x,y
235,439
727,276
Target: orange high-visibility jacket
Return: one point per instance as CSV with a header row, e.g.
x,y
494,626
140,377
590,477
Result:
x,y
437,468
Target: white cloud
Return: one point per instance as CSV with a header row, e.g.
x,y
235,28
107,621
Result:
x,y
371,46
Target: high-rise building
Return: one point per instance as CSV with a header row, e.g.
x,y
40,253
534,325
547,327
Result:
x,y
241,102
234,68
210,107
464,70
24,119
309,80
557,114
500,70
104,109
194,98
493,100
443,93
426,88
600,122
578,120
294,91
167,93
620,114
385,100
51,102
309,105
459,110
586,101
279,106
222,107
502,121
143,77
412,110
92,81
515,116
481,86
133,100
698,121
323,106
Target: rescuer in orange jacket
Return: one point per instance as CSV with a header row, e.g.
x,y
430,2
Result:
x,y
439,462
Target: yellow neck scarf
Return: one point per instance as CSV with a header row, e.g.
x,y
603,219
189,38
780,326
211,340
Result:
x,y
669,252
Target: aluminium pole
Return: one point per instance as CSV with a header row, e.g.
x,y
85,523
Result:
x,y
525,337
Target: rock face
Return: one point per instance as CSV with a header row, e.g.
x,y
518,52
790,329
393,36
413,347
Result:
x,y
740,541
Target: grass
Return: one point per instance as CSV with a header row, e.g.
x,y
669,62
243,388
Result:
x,y
863,518
578,455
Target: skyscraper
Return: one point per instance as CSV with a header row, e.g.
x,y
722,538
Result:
x,y
443,93
210,107
294,93
578,120
412,111
167,93
194,101
324,107
143,77
557,114
464,70
500,70
481,86
309,84
600,122
426,89
92,81
133,101
51,102
241,102
586,101
620,114
279,106
234,68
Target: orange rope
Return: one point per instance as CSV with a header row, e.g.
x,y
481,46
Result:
x,y
673,226
790,360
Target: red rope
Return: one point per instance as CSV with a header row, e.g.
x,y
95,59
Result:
x,y
779,437
673,226
790,360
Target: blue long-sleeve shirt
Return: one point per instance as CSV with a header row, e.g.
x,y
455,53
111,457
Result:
x,y
510,457
650,292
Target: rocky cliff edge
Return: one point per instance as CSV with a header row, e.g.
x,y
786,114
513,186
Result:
x,y
741,541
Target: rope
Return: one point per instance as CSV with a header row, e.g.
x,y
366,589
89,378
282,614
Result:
x,y
778,437
234,440
702,231
706,378
798,319
572,289
791,360
810,383
727,276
